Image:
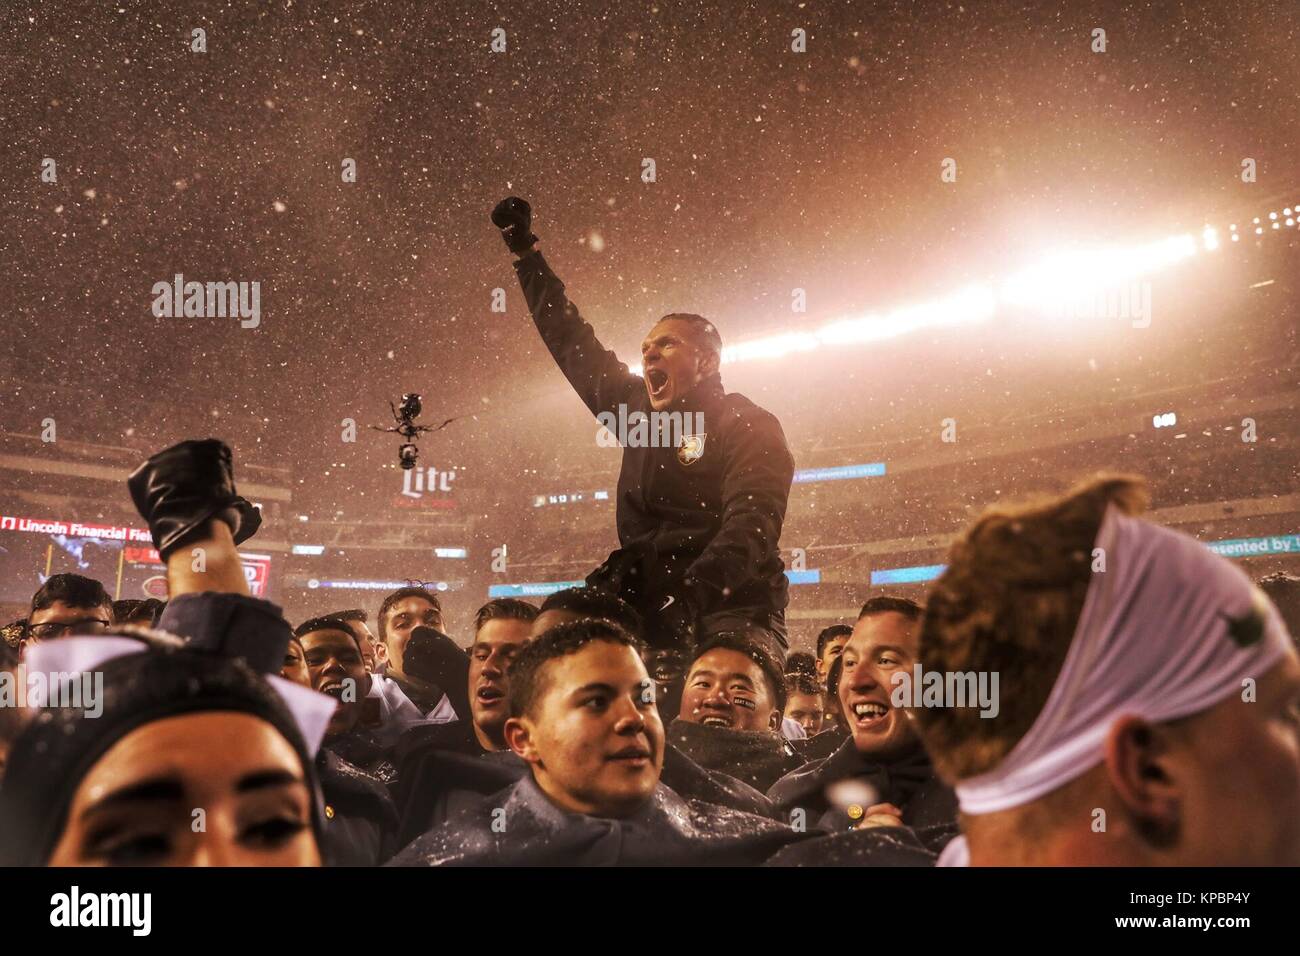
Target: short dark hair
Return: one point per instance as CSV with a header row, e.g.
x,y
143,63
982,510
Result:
x,y
74,591
799,682
760,655
525,670
705,329
829,634
351,615
1009,603
509,609
400,594
127,608
883,605
326,624
595,603
800,662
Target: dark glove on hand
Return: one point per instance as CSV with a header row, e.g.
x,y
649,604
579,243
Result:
x,y
179,490
435,658
514,217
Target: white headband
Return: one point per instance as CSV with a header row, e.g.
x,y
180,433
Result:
x,y
68,656
1160,637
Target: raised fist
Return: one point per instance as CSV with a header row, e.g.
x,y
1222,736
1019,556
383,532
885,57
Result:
x,y
514,217
180,489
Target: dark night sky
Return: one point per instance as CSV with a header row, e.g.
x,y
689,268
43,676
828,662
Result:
x,y
775,170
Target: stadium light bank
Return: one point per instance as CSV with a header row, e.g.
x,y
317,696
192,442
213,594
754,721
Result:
x,y
1060,276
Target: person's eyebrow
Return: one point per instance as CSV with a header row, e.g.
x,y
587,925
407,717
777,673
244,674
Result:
x,y
261,779
156,789
597,686
889,649
741,677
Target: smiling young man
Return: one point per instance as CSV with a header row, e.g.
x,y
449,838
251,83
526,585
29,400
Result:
x,y
361,820
335,667
730,715
698,520
583,719
881,774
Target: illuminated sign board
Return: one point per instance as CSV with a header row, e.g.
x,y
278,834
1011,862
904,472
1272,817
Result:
x,y
841,473
122,558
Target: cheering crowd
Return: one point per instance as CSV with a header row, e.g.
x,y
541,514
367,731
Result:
x,y
1081,686
1148,714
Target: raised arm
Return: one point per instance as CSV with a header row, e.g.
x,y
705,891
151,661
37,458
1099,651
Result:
x,y
596,374
187,496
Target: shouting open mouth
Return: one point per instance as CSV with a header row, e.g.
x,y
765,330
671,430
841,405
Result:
x,y
657,383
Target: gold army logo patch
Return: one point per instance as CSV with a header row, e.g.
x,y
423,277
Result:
x,y
691,449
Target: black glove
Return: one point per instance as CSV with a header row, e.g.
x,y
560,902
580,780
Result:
x,y
514,217
676,623
435,658
179,490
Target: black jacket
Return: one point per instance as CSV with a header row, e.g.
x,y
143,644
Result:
x,y
877,846
754,757
689,527
441,767
519,826
909,783
360,821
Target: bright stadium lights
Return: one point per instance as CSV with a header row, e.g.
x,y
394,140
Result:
x,y
972,304
1070,276
1056,285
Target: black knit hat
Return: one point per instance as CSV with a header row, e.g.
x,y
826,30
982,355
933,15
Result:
x,y
60,745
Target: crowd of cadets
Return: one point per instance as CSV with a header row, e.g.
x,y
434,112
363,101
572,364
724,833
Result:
x,y
561,736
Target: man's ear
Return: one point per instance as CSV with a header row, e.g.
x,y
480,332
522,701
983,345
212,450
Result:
x,y
710,362
774,722
518,732
381,653
1143,773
